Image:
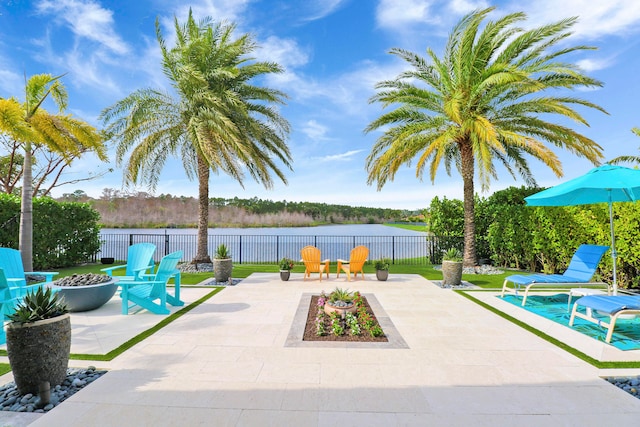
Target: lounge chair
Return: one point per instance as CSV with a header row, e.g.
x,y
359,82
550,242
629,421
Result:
x,y
312,264
613,306
355,264
150,290
139,261
11,263
581,269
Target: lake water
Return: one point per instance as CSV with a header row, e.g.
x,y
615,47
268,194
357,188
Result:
x,y
268,245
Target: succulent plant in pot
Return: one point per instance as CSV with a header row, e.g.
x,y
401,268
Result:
x,y
452,267
39,341
222,264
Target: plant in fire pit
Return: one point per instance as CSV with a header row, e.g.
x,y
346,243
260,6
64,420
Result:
x,y
339,323
39,342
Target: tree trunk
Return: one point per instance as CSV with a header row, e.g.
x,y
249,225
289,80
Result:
x,y
202,253
26,212
467,163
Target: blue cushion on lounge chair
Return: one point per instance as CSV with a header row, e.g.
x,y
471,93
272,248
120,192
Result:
x,y
610,304
521,279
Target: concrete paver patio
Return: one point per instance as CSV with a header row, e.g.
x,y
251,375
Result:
x,y
226,363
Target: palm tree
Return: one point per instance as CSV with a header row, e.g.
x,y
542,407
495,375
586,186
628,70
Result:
x,y
30,124
629,158
217,121
481,104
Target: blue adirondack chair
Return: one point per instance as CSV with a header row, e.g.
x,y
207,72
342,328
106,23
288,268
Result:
x,y
139,260
150,290
11,263
8,301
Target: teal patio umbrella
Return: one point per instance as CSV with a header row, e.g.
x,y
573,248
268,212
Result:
x,y
604,184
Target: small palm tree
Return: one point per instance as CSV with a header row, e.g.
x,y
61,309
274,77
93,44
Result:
x,y
480,104
217,121
627,159
30,124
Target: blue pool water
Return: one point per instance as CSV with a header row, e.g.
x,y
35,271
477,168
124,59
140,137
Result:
x,y
626,335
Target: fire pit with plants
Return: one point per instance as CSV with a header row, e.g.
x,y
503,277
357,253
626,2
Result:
x,y
342,316
84,292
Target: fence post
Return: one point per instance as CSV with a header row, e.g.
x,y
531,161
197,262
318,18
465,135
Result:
x,y
130,239
166,243
240,240
277,247
393,249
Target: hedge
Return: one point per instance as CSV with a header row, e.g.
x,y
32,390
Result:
x,y
64,233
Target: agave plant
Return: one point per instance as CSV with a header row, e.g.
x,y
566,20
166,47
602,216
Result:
x,y
341,295
39,305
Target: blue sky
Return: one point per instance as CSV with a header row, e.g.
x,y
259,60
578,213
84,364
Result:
x,y
334,51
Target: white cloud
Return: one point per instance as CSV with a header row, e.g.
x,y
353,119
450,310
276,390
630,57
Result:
x,y
11,83
396,14
340,157
589,65
318,9
465,6
87,20
285,52
315,130
595,18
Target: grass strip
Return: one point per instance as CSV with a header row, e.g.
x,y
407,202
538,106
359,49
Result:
x,y
145,334
575,352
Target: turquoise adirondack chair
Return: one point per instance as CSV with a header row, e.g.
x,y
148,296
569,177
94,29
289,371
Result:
x,y
11,263
139,260
150,290
8,301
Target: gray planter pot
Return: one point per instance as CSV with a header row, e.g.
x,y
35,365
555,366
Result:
x,y
222,269
39,351
382,275
284,275
451,273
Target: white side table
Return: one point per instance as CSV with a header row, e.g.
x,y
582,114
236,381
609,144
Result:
x,y
581,292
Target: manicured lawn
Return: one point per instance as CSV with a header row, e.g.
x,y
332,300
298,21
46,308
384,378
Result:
x,y
421,228
243,270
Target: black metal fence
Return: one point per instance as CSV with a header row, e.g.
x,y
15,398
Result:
x,y
263,249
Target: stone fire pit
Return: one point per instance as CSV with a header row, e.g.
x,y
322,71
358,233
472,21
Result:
x,y
84,292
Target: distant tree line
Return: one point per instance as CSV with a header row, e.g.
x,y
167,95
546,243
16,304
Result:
x,y
140,209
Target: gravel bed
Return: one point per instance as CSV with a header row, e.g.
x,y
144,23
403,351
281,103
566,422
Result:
x,y
629,384
77,379
478,269
187,267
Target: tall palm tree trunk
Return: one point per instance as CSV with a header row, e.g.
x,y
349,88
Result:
x,y
202,253
467,167
26,212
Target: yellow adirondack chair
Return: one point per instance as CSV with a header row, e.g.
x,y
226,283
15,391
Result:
x,y
355,264
312,264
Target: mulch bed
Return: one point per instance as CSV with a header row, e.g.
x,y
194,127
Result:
x,y
310,328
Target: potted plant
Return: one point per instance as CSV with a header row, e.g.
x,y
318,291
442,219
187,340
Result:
x,y
452,267
222,264
39,341
340,301
286,265
382,268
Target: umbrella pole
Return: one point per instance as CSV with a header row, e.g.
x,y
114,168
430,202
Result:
x,y
614,255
